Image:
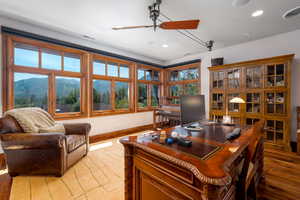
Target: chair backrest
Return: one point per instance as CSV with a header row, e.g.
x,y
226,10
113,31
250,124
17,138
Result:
x,y
254,156
256,139
9,125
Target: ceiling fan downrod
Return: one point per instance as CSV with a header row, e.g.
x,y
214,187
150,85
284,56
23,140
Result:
x,y
154,12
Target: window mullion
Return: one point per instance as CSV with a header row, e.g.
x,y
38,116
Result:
x,y
149,95
113,96
52,94
40,58
62,62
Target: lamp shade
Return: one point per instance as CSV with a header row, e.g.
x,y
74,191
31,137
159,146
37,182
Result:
x,y
237,100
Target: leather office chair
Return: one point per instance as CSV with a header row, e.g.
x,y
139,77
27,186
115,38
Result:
x,y
42,153
252,169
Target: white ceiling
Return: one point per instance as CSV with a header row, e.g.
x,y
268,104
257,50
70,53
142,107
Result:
x,y
220,21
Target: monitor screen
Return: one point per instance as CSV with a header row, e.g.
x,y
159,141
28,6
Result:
x,y
192,109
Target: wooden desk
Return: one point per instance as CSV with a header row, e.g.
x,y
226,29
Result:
x,y
207,170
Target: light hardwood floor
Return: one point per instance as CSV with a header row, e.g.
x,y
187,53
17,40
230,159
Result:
x,y
100,176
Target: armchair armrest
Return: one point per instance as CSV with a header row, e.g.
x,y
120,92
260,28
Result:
x,y
77,129
32,141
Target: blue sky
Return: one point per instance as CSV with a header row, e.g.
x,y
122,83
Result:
x,y
52,60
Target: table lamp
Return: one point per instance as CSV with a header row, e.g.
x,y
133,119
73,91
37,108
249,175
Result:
x,y
226,118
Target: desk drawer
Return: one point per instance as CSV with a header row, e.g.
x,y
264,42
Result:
x,y
166,166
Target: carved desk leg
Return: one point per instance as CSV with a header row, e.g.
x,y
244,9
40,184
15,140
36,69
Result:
x,y
128,172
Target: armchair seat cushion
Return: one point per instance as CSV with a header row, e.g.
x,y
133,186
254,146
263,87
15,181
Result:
x,y
74,141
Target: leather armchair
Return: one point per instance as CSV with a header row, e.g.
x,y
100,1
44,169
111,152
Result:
x,y
42,153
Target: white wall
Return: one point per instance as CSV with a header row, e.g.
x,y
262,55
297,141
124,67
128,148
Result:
x,y
287,43
111,123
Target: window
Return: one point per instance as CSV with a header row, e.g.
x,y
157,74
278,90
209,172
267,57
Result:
x,y
101,95
142,95
154,95
51,59
124,71
67,94
183,80
99,67
112,69
71,62
122,95
49,78
30,90
148,87
185,74
26,55
111,86
57,79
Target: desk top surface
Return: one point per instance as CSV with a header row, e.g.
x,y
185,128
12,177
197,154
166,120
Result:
x,y
209,156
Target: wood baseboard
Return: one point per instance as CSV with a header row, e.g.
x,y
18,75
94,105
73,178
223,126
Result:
x,y
120,133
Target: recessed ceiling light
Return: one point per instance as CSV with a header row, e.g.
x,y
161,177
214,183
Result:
x,y
257,13
165,46
239,3
291,13
88,37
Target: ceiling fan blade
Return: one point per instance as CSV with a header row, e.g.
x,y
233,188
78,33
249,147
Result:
x,y
130,27
187,24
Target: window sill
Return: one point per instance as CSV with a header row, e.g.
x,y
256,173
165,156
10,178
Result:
x,y
107,113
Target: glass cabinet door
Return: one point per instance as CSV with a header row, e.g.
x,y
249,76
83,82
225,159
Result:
x,y
233,107
236,120
275,75
233,76
275,131
254,77
253,102
218,79
217,118
217,101
251,121
276,102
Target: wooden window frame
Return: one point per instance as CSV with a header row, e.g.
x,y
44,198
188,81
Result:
x,y
170,83
86,78
11,68
113,80
149,83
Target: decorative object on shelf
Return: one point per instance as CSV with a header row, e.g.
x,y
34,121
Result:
x,y
217,61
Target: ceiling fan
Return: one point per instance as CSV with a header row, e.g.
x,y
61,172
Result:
x,y
154,10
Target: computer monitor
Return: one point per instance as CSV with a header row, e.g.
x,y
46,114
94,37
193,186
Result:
x,y
192,109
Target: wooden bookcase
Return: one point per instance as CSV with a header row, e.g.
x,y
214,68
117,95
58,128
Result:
x,y
265,85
